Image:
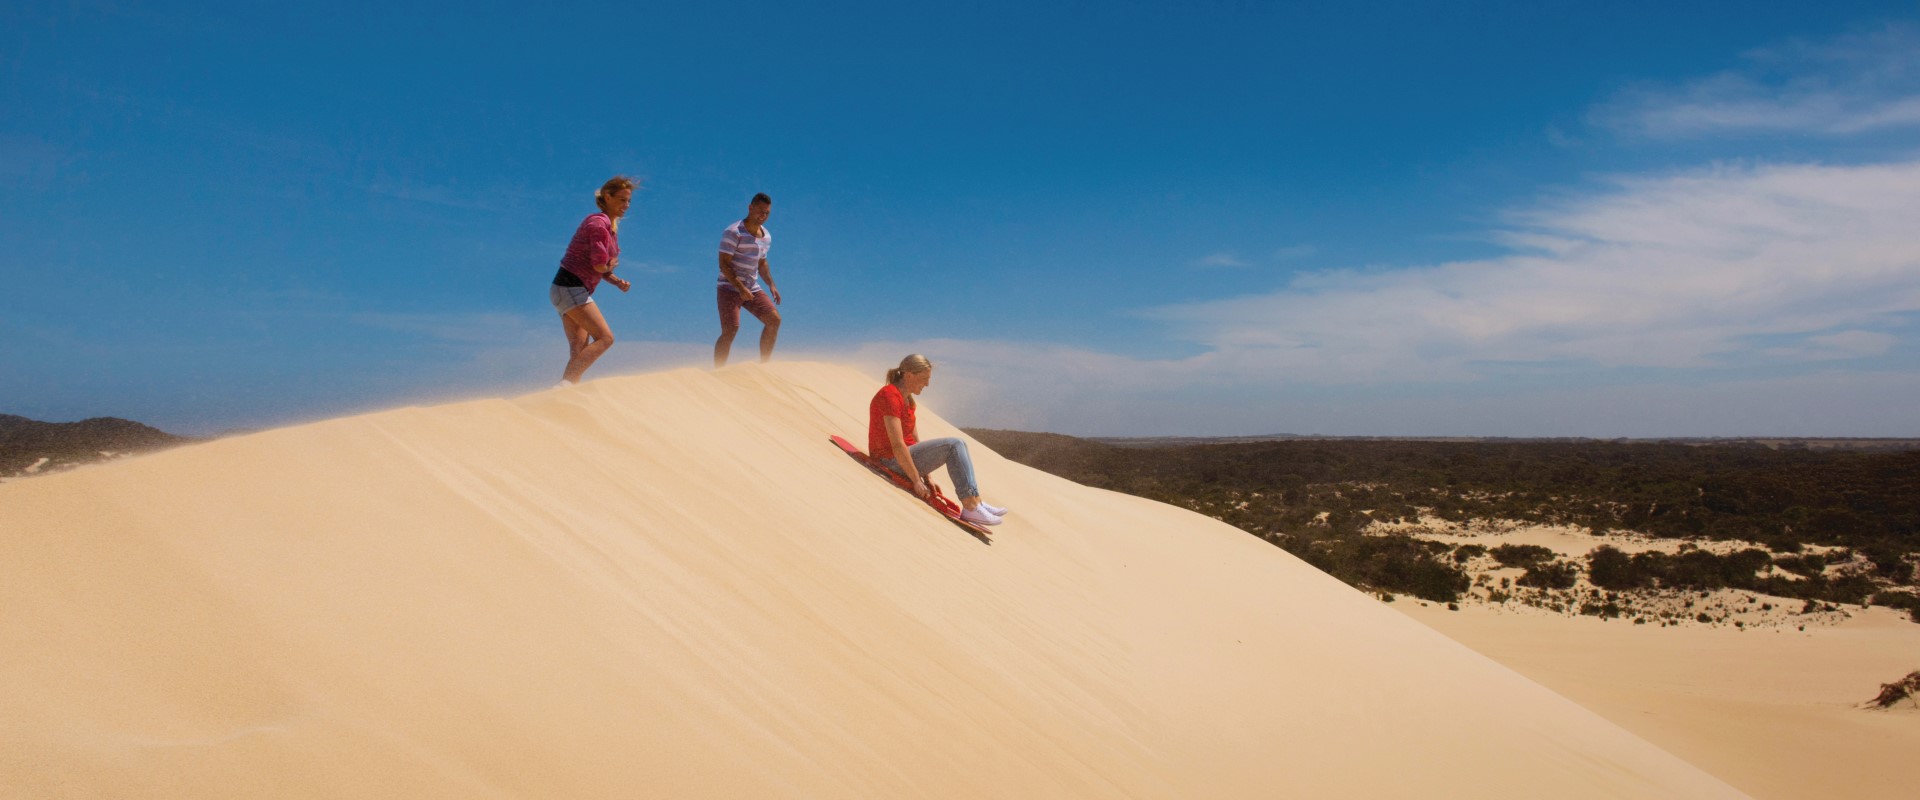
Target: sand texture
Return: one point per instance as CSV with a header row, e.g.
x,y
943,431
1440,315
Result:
x,y
671,585
1773,711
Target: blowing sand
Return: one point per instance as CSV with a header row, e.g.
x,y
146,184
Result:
x,y
672,585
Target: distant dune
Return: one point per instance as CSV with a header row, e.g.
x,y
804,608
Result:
x,y
671,585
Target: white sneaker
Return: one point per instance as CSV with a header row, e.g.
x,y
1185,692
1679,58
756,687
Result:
x,y
979,516
995,510
565,385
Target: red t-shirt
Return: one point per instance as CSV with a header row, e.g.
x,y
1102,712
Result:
x,y
888,402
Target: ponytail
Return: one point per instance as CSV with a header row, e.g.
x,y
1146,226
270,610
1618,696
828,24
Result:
x,y
912,364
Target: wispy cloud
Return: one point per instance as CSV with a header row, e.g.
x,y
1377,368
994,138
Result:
x,y
1223,259
1853,84
1674,271
1227,259
460,327
1695,279
1839,345
439,195
650,267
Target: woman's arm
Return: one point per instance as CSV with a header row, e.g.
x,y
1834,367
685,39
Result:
x,y
617,281
904,457
601,252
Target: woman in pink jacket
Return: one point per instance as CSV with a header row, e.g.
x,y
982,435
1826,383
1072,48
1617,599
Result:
x,y
591,258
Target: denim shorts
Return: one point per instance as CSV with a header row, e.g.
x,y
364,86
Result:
x,y
568,298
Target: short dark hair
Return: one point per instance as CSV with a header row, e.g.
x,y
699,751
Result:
x,y
761,199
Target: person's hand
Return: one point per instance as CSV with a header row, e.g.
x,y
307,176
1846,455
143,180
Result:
x,y
775,293
620,283
920,489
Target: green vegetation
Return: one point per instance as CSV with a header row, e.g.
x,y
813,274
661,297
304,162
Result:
x,y
1550,575
1332,503
1393,564
1609,568
1521,555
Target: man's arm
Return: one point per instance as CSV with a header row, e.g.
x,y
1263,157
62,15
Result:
x,y
726,271
766,275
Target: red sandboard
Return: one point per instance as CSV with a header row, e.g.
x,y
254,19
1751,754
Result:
x,y
940,502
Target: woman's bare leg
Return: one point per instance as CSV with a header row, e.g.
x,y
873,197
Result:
x,y
588,337
576,336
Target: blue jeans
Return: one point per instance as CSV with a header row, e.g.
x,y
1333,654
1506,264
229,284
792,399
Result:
x,y
930,454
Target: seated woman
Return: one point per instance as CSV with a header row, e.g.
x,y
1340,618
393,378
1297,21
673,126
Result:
x,y
890,432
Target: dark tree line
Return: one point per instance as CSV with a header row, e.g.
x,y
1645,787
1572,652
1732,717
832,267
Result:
x,y
1314,497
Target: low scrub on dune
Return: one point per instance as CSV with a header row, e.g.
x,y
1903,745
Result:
x,y
1892,693
1521,555
1338,505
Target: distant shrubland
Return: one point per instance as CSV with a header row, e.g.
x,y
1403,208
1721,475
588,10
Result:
x,y
1319,499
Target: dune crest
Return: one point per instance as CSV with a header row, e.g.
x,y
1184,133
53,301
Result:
x,y
672,585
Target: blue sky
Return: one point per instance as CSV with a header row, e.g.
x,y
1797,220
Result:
x,y
1601,219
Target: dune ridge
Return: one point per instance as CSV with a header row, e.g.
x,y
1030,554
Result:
x,y
672,585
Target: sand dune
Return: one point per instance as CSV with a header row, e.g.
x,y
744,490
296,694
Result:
x,y
671,585
1775,712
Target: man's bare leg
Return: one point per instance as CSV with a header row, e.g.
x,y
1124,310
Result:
x,y
767,337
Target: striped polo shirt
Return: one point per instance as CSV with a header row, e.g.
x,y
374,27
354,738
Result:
x,y
744,251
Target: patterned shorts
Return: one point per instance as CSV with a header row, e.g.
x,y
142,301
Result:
x,y
729,301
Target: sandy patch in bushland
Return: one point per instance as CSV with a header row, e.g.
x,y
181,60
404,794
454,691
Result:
x,y
1566,540
1496,585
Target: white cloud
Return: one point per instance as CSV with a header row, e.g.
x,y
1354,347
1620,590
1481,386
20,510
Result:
x,y
1675,271
1836,346
1857,343
1699,277
1849,85
1231,260
993,384
1220,260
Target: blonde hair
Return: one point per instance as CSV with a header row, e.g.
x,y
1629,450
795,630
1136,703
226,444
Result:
x,y
606,190
914,364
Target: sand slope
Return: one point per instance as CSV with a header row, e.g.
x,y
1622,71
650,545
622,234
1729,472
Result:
x,y
672,585
1772,711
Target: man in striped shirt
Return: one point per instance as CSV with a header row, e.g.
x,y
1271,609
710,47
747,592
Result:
x,y
743,266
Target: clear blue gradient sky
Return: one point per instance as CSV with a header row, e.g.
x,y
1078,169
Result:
x,y
1599,219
